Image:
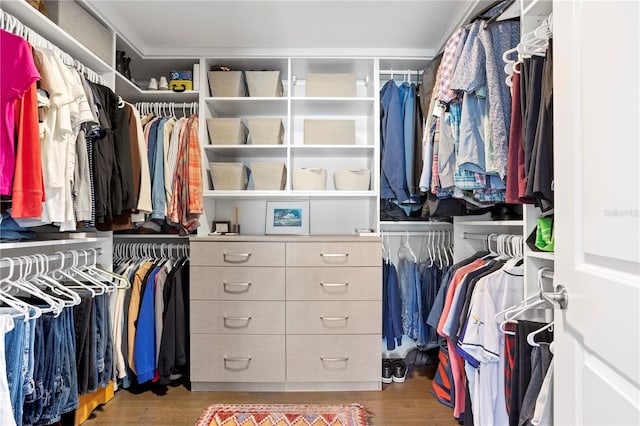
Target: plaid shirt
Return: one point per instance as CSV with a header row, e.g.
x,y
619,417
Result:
x,y
186,204
448,65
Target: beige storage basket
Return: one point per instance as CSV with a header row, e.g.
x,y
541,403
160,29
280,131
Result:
x,y
310,179
352,179
229,176
331,85
227,84
264,83
268,176
265,131
329,132
226,131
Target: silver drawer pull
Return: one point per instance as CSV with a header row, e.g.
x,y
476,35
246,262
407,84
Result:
x,y
334,318
237,318
237,358
334,254
338,359
236,257
334,284
230,287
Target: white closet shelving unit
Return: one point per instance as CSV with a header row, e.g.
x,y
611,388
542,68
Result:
x,y
331,211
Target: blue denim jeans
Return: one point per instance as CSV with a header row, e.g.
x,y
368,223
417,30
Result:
x,y
14,357
69,397
34,401
408,290
52,383
83,324
104,342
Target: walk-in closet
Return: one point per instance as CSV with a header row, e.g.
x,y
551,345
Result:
x,y
319,212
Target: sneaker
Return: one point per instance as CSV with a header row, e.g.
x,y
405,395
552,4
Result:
x,y
164,84
386,371
153,84
399,371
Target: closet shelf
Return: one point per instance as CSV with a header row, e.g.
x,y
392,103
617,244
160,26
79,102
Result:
x,y
332,106
541,255
56,35
414,226
274,195
247,106
490,223
132,93
49,243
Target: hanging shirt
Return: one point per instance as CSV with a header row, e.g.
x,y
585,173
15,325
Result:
x,y
17,73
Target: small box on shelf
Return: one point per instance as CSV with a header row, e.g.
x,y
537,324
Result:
x,y
329,132
265,131
268,176
229,176
331,85
227,83
264,83
352,179
226,131
310,179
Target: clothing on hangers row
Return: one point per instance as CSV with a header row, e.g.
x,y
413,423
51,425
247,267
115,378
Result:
x,y
166,109
54,319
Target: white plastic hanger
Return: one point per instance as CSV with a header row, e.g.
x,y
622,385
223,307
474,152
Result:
x,y
531,336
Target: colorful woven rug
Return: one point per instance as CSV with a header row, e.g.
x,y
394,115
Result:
x,y
283,415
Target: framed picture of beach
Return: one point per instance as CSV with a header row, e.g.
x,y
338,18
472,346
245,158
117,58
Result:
x,y
287,218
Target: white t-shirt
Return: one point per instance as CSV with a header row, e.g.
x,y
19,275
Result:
x,y
483,340
6,412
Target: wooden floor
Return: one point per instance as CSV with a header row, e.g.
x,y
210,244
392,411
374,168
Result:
x,y
402,404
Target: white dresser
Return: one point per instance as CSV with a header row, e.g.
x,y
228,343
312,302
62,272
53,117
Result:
x,y
285,313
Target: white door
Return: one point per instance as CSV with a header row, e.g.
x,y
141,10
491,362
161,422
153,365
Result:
x,y
597,186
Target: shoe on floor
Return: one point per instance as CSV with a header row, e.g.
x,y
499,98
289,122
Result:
x,y
164,84
399,368
387,371
153,84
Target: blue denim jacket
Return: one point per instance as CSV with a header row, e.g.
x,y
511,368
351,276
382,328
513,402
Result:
x,y
393,183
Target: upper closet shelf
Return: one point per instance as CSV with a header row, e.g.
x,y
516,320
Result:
x,y
490,223
132,93
54,34
247,106
332,106
285,194
49,243
541,255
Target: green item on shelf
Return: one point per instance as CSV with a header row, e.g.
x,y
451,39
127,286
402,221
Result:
x,y
544,234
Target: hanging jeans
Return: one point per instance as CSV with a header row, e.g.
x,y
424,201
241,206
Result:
x,y
14,344
104,340
410,300
393,306
69,397
34,401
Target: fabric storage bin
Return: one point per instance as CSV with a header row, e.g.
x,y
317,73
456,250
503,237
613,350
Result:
x,y
329,132
352,179
227,84
265,131
229,176
268,176
310,179
226,131
330,85
264,83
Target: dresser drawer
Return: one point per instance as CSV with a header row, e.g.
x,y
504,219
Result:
x,y
237,317
368,253
223,358
330,283
335,317
231,283
333,358
214,253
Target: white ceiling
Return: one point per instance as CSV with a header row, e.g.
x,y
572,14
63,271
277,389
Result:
x,y
304,27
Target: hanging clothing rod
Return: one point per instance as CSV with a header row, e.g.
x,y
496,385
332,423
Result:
x,y
401,72
474,236
14,26
55,260
414,233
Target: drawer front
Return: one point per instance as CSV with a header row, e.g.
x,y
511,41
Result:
x,y
335,317
215,253
237,317
333,358
368,253
329,283
229,283
225,358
